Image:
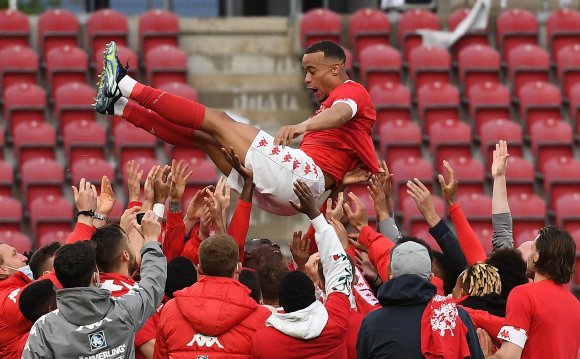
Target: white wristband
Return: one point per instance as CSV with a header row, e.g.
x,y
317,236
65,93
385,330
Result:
x,y
159,210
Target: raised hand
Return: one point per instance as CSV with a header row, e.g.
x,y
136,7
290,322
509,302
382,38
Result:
x,y
300,249
106,199
356,175
423,200
341,232
286,134
162,184
500,158
222,193
180,173
197,204
205,223
334,209
357,218
377,193
311,268
148,188
85,196
449,190
212,202
149,228
134,181
128,218
234,160
366,267
306,204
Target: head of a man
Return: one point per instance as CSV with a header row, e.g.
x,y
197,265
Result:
x,y
410,258
296,292
181,273
249,279
511,268
219,257
37,299
258,250
478,280
10,260
552,255
75,265
114,254
324,67
270,271
42,261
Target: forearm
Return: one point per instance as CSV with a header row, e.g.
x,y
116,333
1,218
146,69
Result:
x,y
449,245
499,201
379,249
83,230
332,117
240,224
502,231
388,228
470,245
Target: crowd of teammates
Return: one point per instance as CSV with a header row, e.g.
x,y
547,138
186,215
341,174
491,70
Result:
x,y
185,283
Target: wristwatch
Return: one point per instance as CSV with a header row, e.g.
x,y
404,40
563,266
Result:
x,y
100,216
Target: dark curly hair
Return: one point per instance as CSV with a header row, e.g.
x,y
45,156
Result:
x,y
511,268
557,251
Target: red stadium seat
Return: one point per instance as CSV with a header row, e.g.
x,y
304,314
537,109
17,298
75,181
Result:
x,y
520,176
50,213
478,37
165,64
368,27
528,63
477,209
568,68
413,220
428,238
34,140
438,102
319,24
182,153
392,103
14,28
93,170
539,101
409,23
145,165
180,89
380,64
562,29
551,139
103,26
20,241
405,169
488,102
515,27
24,103
72,102
561,178
84,139
132,142
470,173
157,27
41,177
525,237
348,62
6,178
52,236
484,232
18,64
117,212
576,236
429,65
205,174
10,214
567,211
126,56
449,139
478,64
399,139
575,107
495,130
64,65
57,28
528,212
361,191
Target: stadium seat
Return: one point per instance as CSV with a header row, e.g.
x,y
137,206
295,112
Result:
x,y
427,237
515,27
528,212
41,177
57,28
117,212
319,24
405,169
525,237
399,139
368,27
361,191
348,62
488,102
205,174
438,102
409,23
84,139
520,176
103,26
180,89
64,65
6,178
34,140
528,63
132,142
72,102
478,64
449,139
20,241
182,153
145,165
93,170
165,64
413,220
379,64
392,103
484,233
568,62
50,213
52,236
24,103
562,29
18,65
127,57
10,214
157,27
575,107
551,139
500,129
14,28
567,211
470,174
429,65
477,209
576,236
561,178
478,37
539,101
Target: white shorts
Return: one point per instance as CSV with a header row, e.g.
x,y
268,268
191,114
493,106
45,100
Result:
x,y
275,170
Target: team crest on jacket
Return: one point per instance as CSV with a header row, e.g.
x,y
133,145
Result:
x,y
97,340
202,357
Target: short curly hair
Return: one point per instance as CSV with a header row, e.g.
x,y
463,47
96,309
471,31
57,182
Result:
x,y
511,268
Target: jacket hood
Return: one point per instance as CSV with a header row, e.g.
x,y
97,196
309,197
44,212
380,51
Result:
x,y
406,290
492,303
82,306
305,323
214,305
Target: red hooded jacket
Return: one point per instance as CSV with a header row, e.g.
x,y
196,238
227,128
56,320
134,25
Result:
x,y
214,316
13,325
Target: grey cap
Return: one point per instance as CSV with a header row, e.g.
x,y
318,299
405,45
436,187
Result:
x,y
410,258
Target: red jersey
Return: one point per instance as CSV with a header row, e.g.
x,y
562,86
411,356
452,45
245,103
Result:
x,y
338,150
544,319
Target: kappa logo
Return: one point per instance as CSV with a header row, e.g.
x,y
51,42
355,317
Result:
x,y
12,296
97,340
275,151
287,158
504,334
296,164
262,142
203,341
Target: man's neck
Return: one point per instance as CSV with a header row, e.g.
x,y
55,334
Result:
x,y
539,277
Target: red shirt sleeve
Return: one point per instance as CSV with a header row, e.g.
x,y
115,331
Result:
x,y
379,249
482,319
174,235
470,245
191,247
240,224
338,307
148,331
82,232
519,309
134,204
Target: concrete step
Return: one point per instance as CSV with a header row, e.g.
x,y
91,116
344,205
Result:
x,y
241,43
240,83
229,25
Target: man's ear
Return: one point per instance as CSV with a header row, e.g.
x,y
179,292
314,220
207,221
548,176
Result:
x,y
238,270
391,276
125,255
431,275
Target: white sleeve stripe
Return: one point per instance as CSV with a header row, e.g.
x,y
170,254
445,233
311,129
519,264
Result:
x,y
513,335
351,103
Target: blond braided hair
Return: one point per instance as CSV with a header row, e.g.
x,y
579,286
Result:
x,y
481,279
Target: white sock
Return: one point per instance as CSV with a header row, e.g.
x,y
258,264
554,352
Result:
x,y
126,85
119,106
